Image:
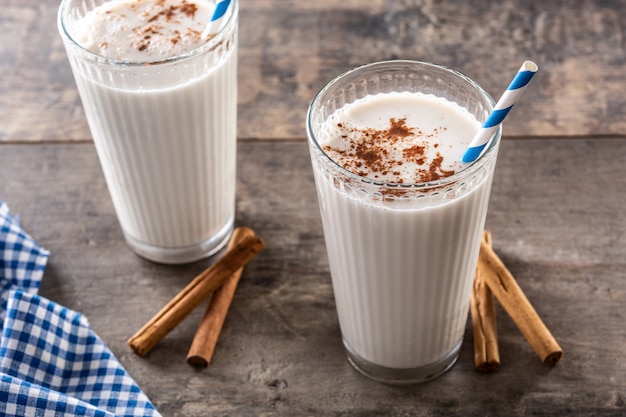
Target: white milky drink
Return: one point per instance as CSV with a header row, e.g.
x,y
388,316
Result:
x,y
161,102
402,216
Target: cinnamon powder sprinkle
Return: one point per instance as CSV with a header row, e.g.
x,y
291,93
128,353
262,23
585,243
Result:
x,y
167,15
378,154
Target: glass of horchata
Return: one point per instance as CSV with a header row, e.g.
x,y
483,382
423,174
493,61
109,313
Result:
x,y
160,96
402,215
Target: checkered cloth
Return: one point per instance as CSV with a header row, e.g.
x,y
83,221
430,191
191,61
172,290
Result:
x,y
22,260
51,362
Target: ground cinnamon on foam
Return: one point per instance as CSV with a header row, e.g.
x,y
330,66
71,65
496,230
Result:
x,y
368,151
166,14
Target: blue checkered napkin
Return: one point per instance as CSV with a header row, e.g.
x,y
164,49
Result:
x,y
52,363
19,398
22,260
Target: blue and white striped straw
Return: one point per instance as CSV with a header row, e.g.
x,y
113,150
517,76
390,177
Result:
x,y
503,106
216,20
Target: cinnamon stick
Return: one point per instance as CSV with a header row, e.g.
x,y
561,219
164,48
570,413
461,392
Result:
x,y
515,303
193,294
483,311
205,339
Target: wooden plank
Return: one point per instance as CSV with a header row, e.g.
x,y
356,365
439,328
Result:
x,y
290,49
557,219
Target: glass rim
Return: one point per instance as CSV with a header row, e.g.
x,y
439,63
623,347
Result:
x,y
92,56
465,171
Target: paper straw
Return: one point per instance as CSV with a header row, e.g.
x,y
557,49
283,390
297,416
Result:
x,y
216,20
503,106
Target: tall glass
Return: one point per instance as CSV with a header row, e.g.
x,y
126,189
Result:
x,y
165,133
402,256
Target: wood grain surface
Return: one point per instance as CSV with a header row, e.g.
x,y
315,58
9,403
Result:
x,y
556,213
290,48
558,222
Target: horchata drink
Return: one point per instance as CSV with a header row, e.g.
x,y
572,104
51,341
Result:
x,y
402,215
160,93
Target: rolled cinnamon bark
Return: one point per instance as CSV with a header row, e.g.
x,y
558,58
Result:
x,y
515,303
193,294
205,339
483,311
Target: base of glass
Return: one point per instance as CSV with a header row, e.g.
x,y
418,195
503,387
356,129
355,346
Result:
x,y
185,254
402,376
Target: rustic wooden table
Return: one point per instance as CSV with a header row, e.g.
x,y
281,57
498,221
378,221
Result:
x,y
556,213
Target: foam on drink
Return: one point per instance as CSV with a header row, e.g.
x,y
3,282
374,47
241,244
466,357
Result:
x,y
144,30
385,138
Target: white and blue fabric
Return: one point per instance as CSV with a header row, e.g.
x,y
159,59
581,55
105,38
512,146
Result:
x,y
51,361
22,260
